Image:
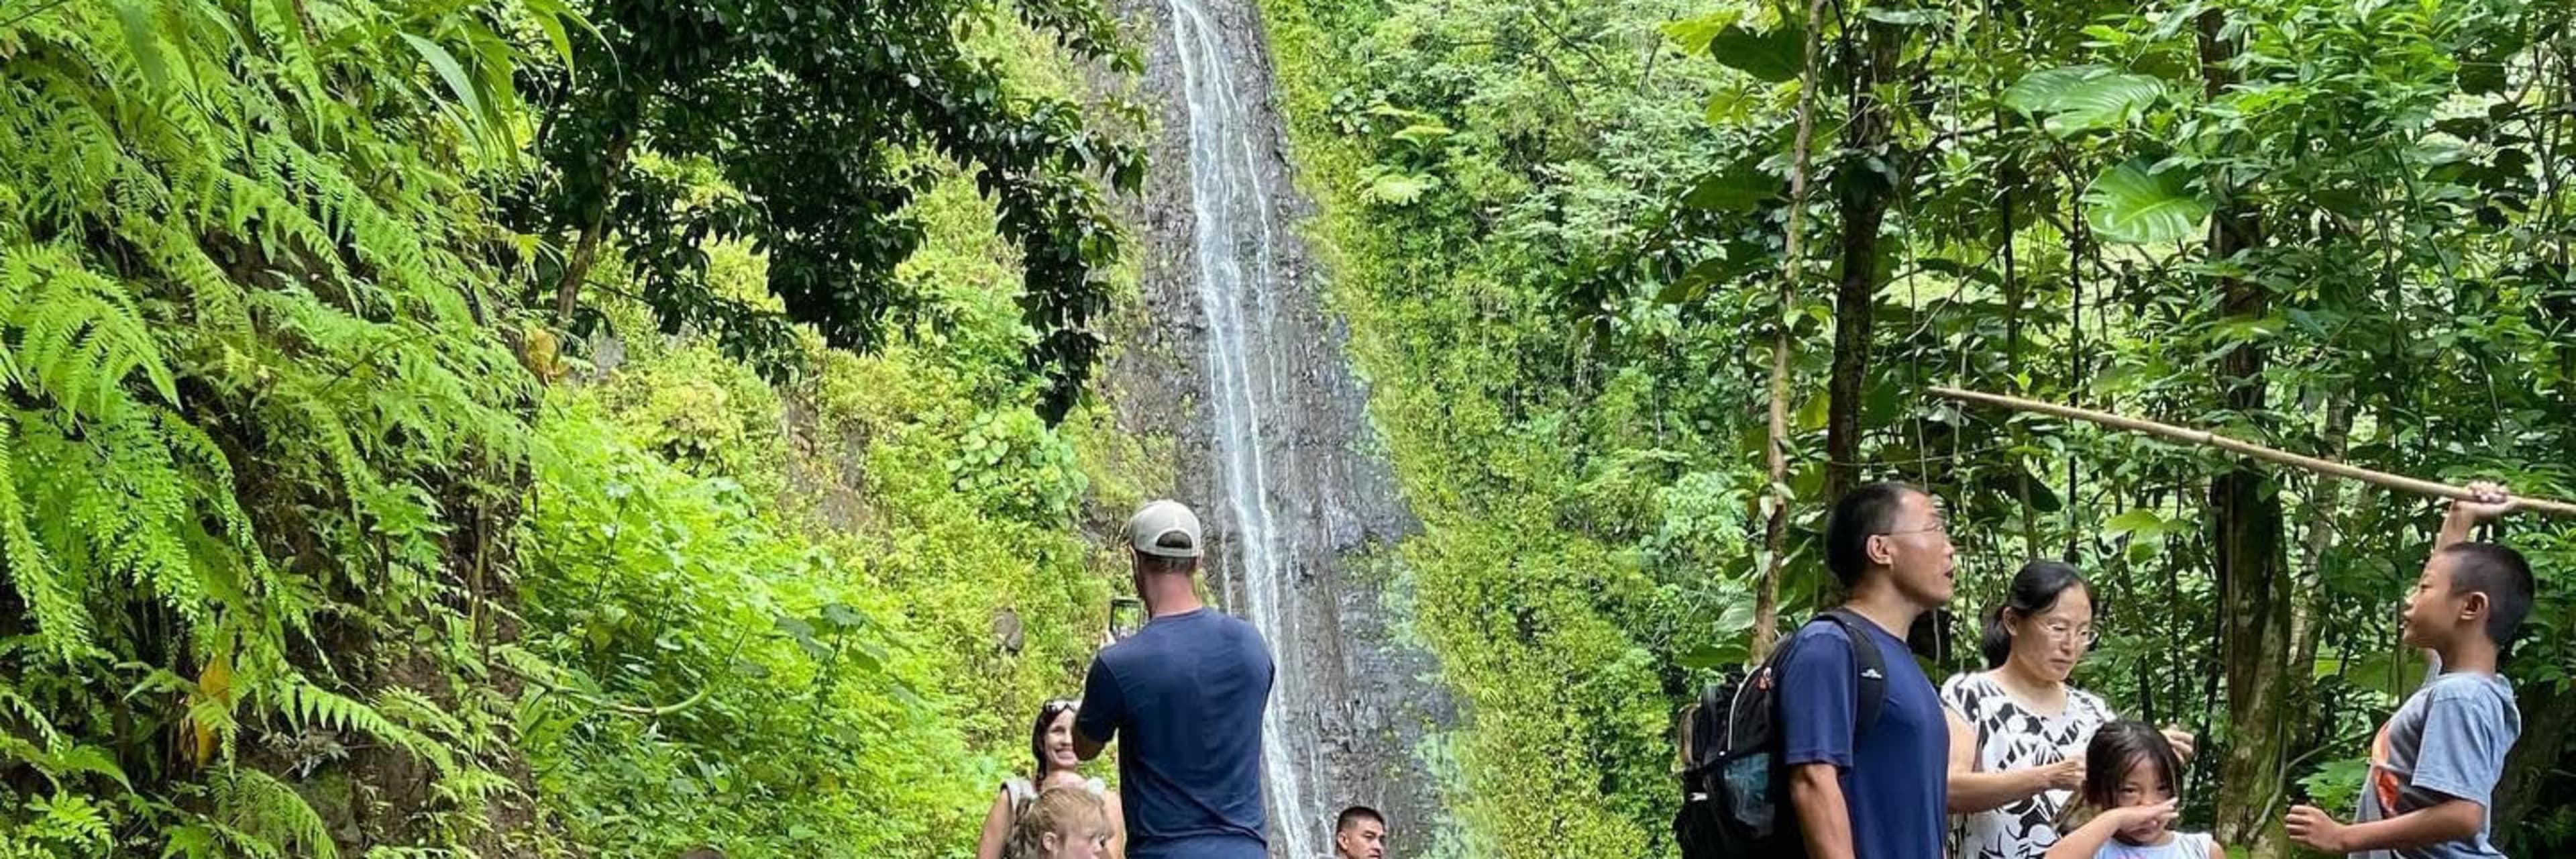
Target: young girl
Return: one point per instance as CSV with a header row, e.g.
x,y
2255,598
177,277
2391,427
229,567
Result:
x,y
1062,823
2129,776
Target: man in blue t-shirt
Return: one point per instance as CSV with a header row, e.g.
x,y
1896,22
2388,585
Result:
x,y
1184,698
1878,794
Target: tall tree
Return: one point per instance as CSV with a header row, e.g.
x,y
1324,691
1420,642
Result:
x,y
1775,528
2245,506
1865,183
821,115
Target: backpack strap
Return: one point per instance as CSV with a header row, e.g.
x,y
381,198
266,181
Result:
x,y
1022,792
1869,667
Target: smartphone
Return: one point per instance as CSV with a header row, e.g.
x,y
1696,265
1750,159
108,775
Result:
x,y
1126,617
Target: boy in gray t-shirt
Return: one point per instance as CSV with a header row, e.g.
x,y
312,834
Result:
x,y
2447,742
2433,767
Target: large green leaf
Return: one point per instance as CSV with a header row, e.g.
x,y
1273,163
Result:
x,y
1394,186
2132,205
1777,55
1739,187
2037,93
451,72
2077,99
1424,135
1692,34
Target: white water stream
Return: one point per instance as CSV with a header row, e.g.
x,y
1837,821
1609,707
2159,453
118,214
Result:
x,y
1236,255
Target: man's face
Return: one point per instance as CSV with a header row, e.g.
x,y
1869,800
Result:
x,y
1363,839
1916,549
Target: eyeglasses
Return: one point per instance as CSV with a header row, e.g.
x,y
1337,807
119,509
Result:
x,y
1941,528
1060,705
2061,633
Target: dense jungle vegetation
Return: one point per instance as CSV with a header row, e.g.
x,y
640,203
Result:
x,y
593,427
521,429
1565,239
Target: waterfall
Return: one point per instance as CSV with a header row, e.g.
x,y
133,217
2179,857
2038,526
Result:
x,y
1236,254
1242,363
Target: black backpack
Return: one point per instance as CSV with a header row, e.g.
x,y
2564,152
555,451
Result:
x,y
1735,791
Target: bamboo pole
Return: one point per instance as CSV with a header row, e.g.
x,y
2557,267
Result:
x,y
2205,438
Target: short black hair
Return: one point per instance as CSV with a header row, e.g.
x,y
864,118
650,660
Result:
x,y
1354,814
1861,514
2503,576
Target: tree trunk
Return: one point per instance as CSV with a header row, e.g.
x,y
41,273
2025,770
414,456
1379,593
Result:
x,y
2010,179
1775,535
2542,750
2308,598
1864,201
585,252
2254,594
2322,528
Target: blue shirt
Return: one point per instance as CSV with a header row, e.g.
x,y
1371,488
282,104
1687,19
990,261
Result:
x,y
1183,698
2448,741
1895,776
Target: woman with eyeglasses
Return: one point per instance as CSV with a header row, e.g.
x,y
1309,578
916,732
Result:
x,y
1051,744
2017,729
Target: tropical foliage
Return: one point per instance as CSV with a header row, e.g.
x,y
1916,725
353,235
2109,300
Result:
x,y
1559,231
319,541
528,427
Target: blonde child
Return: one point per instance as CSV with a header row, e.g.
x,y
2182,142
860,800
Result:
x,y
2130,774
1062,823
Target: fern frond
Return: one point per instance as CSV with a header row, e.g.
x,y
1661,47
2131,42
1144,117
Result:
x,y
410,707
192,841
70,817
61,621
257,804
13,701
80,335
245,843
76,759
305,704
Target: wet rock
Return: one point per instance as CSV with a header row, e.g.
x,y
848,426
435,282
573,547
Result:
x,y
1234,357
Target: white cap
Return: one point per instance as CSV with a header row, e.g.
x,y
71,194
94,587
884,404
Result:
x,y
1152,530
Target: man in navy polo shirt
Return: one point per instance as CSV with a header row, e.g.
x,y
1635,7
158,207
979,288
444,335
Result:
x,y
1184,698
1879,794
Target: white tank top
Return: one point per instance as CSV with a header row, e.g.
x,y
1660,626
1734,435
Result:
x,y
2184,846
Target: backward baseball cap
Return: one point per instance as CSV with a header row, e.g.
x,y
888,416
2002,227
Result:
x,y
1164,529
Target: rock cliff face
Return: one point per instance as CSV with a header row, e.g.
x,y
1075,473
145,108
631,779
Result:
x,y
1236,360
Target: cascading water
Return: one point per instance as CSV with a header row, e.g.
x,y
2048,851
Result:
x,y
1239,363
1235,252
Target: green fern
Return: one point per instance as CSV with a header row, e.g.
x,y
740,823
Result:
x,y
309,705
239,231
51,597
265,816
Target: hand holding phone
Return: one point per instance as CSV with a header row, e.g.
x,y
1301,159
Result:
x,y
1126,617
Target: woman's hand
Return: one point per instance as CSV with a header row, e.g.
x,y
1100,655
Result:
x,y
2183,743
2067,774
